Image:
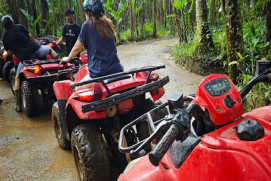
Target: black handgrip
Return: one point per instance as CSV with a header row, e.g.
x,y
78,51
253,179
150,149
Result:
x,y
159,151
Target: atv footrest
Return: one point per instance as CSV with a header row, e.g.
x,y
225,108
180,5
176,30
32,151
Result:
x,y
117,98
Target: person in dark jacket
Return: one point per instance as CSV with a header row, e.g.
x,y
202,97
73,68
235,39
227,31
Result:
x,y
98,37
70,31
18,40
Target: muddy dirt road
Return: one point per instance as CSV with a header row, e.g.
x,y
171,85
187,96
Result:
x,y
28,148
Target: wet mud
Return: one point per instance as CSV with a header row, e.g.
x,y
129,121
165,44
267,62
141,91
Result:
x,y
28,147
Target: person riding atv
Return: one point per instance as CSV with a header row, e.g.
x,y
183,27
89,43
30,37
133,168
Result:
x,y
19,41
98,37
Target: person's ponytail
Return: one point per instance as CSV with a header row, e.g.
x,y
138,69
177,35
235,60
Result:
x,y
103,26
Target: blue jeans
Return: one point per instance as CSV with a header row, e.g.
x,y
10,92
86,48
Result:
x,y
43,51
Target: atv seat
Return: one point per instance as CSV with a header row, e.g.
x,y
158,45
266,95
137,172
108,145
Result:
x,y
107,81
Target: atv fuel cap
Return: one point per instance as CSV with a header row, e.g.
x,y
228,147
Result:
x,y
250,130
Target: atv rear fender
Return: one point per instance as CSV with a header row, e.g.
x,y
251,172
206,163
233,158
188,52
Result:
x,y
62,89
157,94
15,60
82,72
77,107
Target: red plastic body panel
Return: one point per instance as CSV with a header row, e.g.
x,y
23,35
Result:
x,y
77,107
125,106
82,72
219,113
62,89
220,155
158,94
15,60
84,57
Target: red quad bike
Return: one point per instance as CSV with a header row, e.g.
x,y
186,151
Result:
x,y
211,138
37,78
89,120
45,40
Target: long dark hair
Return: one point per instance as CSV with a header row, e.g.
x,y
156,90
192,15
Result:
x,y
102,25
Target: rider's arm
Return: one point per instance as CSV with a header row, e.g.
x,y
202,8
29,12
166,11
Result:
x,y
60,40
31,36
75,50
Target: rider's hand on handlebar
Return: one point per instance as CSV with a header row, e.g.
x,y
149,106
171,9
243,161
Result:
x,y
64,60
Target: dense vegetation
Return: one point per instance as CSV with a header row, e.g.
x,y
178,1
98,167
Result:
x,y
215,35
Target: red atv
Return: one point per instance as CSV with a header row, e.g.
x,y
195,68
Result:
x,y
45,40
89,120
37,78
211,139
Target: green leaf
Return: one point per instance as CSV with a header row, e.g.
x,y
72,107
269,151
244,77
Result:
x,y
119,21
240,56
37,20
138,10
171,16
233,63
178,5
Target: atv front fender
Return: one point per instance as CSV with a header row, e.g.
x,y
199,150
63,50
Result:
x,y
62,89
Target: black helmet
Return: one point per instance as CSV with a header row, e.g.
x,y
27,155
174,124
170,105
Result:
x,y
6,21
94,6
69,11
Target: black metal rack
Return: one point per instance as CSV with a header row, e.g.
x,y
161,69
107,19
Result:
x,y
119,97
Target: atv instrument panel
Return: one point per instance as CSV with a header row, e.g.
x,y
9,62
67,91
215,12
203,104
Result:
x,y
219,96
218,86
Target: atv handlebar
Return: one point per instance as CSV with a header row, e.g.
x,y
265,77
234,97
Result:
x,y
159,151
263,77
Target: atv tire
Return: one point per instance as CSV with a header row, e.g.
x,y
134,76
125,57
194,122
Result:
x,y
2,63
63,142
6,69
29,98
12,75
90,153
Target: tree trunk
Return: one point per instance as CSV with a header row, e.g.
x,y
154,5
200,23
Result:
x,y
34,11
141,17
212,13
45,16
204,36
234,39
81,12
268,26
13,11
132,21
154,34
171,20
